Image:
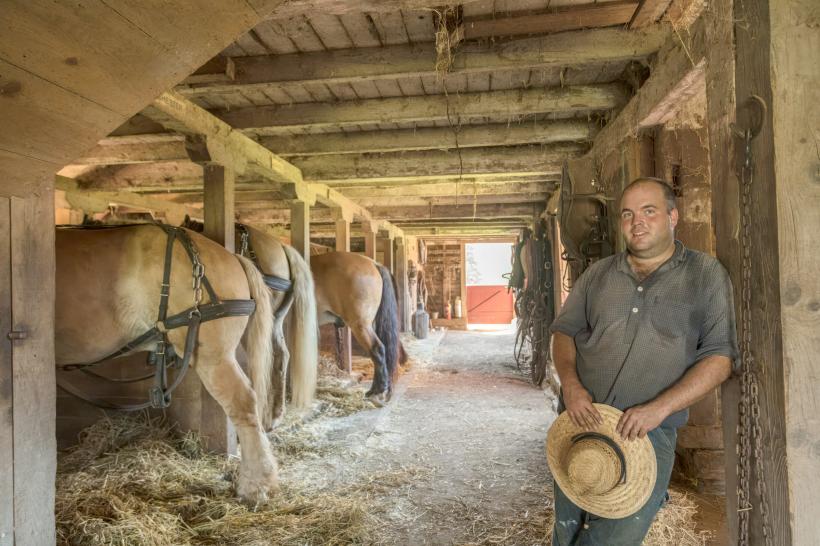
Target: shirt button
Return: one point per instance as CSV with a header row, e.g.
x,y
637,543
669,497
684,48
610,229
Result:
x,y
640,289
634,309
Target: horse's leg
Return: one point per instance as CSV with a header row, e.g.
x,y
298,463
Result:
x,y
281,357
230,387
367,338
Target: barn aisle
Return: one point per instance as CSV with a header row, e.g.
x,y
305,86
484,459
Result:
x,y
476,428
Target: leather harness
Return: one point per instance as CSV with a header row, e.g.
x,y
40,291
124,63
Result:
x,y
164,356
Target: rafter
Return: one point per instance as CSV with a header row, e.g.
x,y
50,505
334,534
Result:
x,y
277,119
512,160
391,62
438,138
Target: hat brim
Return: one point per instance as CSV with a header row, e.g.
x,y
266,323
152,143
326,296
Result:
x,y
641,467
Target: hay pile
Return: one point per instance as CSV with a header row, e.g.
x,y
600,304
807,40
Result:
x,y
132,480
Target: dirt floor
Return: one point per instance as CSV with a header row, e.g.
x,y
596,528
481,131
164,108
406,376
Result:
x,y
466,430
456,457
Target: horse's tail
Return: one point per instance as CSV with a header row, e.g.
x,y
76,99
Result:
x,y
259,336
302,332
387,322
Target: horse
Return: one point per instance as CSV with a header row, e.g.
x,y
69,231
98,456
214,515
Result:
x,y
110,283
282,265
356,291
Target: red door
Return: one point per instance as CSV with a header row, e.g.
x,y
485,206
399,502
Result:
x,y
489,305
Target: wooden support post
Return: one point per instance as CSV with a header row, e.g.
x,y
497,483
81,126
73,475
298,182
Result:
x,y
28,447
219,184
300,228
369,230
403,297
387,252
343,245
463,281
196,409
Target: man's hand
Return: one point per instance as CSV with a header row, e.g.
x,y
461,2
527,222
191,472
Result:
x,y
638,420
579,406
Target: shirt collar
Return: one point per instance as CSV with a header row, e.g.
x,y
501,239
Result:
x,y
678,257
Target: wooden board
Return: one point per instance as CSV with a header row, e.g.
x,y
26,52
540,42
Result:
x,y
6,381
35,449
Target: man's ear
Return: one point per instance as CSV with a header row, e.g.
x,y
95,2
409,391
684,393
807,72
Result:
x,y
673,217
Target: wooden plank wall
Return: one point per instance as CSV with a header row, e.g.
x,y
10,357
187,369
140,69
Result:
x,y
27,398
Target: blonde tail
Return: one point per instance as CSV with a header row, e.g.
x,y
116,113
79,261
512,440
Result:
x,y
302,332
258,337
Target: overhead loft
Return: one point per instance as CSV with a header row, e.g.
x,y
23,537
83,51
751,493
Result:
x,y
359,103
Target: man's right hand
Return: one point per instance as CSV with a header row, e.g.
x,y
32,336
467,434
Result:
x,y
578,403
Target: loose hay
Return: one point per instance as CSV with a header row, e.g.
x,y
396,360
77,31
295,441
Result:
x,y
131,481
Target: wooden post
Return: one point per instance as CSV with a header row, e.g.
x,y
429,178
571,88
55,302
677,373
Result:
x,y
196,408
403,297
343,245
300,228
369,230
387,252
219,184
28,450
463,282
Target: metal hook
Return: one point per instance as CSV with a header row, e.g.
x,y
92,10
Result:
x,y
757,109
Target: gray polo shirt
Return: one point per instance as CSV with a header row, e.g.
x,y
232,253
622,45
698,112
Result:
x,y
635,338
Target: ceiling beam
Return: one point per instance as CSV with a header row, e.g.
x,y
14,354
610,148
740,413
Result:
x,y
419,60
155,148
435,138
463,231
556,20
511,160
465,191
648,13
409,201
677,59
276,119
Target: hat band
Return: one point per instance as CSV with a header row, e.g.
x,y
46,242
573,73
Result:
x,y
611,443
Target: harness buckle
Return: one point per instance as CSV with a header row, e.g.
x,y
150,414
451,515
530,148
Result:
x,y
158,398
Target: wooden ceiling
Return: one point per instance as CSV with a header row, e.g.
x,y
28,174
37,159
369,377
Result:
x,y
357,96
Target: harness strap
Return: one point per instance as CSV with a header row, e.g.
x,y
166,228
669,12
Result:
x,y
246,250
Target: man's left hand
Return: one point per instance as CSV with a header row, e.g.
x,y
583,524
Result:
x,y
638,420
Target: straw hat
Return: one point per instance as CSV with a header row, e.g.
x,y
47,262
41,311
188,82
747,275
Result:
x,y
598,470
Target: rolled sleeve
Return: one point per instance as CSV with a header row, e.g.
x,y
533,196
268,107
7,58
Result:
x,y
718,334
573,316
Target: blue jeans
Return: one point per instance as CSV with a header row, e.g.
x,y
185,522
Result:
x,y
574,527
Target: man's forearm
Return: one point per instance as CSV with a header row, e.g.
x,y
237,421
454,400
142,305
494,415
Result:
x,y
563,355
695,384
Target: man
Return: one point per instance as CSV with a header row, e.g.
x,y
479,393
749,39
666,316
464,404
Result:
x,y
649,331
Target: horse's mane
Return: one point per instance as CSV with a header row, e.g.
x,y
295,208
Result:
x,y
193,225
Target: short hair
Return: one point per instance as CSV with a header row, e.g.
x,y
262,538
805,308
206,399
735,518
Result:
x,y
666,188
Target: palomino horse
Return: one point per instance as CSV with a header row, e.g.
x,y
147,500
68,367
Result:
x,y
355,290
281,265
110,284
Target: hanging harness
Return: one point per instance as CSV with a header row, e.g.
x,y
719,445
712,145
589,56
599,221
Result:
x,y
164,356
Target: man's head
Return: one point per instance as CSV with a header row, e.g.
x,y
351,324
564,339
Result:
x,y
648,217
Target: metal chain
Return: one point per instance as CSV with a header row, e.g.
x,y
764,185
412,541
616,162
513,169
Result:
x,y
198,273
749,429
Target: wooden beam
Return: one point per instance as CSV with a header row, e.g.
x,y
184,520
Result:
x,y
558,19
678,57
403,296
295,8
65,91
99,201
462,231
464,191
386,200
155,148
648,13
279,119
386,243
370,231
345,66
437,138
512,160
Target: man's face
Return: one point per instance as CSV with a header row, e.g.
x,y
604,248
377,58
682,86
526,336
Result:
x,y
647,226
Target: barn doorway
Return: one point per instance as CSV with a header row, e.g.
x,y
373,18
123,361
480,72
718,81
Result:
x,y
489,302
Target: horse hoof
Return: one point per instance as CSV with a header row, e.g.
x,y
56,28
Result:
x,y
254,492
378,400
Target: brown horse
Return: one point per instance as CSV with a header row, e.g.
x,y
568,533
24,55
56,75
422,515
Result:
x,y
356,291
109,283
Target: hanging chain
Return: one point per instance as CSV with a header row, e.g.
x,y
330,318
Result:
x,y
750,432
198,273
